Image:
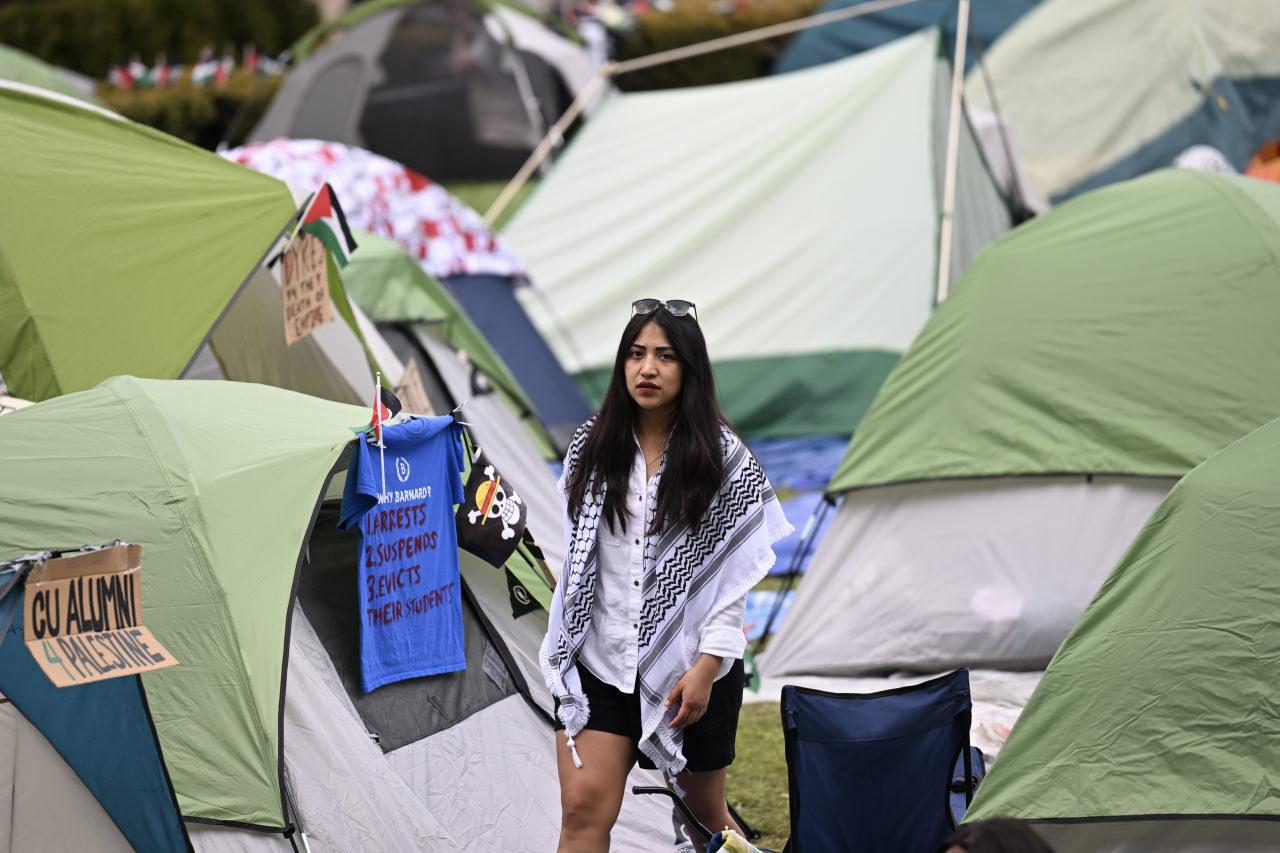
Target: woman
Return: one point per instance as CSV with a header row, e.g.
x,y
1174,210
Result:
x,y
671,522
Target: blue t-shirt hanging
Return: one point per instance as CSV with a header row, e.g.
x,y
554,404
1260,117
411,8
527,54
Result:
x,y
410,593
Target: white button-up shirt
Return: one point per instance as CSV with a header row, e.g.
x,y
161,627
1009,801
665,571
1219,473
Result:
x,y
611,648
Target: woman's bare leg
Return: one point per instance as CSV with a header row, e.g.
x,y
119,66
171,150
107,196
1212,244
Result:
x,y
704,795
591,795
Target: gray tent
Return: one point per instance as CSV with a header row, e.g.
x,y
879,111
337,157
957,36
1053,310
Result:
x,y
452,88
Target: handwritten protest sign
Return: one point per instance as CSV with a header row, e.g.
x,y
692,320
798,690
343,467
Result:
x,y
305,288
82,618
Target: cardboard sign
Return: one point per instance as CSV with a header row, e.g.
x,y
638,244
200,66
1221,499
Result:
x,y
304,284
82,618
412,393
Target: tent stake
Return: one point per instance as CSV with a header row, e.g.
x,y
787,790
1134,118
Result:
x,y
953,145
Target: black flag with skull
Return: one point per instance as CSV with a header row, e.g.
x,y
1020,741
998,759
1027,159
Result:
x,y
492,518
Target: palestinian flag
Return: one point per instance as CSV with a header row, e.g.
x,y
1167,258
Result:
x,y
324,219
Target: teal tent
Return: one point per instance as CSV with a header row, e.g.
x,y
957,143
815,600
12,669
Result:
x,y
1100,91
988,19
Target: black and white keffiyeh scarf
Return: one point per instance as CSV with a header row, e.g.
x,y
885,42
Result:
x,y
688,578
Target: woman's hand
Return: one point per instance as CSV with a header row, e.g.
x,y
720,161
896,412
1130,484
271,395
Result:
x,y
693,691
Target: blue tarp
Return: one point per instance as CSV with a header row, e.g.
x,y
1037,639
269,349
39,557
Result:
x,y
103,731
760,603
799,469
490,302
987,20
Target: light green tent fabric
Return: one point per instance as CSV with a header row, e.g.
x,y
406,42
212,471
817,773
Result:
x,y
21,67
1102,90
1161,701
1130,331
800,212
219,482
119,246
391,287
125,251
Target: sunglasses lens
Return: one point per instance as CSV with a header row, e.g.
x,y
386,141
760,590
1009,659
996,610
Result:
x,y
645,306
679,307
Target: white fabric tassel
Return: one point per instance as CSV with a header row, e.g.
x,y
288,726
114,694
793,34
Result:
x,y
573,750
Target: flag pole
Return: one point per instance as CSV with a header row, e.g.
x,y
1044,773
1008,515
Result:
x,y
377,416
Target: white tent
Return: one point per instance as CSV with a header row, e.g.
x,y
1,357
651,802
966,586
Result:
x,y
800,212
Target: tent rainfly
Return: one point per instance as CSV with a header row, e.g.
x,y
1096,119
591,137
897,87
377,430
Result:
x,y
987,22
1084,363
83,298
233,491
800,212
1106,90
1154,728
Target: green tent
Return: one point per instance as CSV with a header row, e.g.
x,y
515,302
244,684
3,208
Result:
x,y
232,490
124,250
391,287
1155,726
800,212
21,67
423,324
1083,363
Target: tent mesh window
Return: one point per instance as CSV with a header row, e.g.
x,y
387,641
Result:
x,y
449,104
403,712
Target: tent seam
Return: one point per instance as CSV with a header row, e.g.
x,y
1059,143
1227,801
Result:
x,y
229,631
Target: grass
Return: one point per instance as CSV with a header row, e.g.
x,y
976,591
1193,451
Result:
x,y
757,785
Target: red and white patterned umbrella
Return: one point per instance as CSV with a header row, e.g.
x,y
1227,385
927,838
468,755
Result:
x,y
385,198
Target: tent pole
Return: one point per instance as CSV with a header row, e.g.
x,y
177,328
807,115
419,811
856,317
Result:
x,y
550,139
592,90
953,147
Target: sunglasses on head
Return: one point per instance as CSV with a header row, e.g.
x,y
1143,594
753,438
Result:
x,y
675,307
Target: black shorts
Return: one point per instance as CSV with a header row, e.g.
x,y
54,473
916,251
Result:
x,y
708,743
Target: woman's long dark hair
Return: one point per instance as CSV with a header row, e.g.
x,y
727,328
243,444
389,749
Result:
x,y
694,465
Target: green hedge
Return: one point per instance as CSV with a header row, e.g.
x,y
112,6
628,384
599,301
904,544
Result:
x,y
694,21
90,36
200,114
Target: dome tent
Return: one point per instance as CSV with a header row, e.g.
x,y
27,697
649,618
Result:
x,y
457,89
126,251
1105,90
1154,728
230,488
1084,363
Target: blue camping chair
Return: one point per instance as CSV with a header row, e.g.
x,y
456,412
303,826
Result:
x,y
875,771
887,771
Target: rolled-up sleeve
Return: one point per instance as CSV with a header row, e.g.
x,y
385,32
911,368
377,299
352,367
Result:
x,y
722,635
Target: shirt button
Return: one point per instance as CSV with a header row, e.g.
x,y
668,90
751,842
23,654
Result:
x,y
637,541
635,624
636,583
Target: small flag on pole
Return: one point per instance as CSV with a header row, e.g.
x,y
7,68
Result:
x,y
385,407
325,220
